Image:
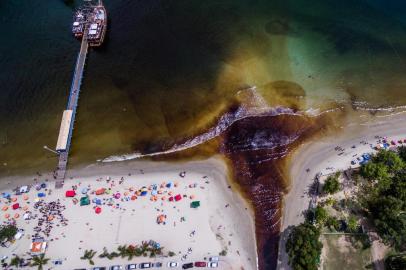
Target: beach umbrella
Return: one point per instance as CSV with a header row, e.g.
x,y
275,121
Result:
x,y
43,185
178,197
85,190
154,192
25,208
117,195
41,195
7,215
14,199
25,197
70,193
16,206
16,215
144,193
170,193
126,193
100,191
98,210
163,198
5,208
160,219
133,198
169,185
171,199
50,217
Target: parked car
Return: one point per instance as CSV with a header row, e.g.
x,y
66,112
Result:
x,y
145,265
214,259
172,264
158,265
187,265
200,264
99,268
131,266
116,267
213,264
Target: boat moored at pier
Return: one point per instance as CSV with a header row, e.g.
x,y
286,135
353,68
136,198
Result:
x,y
91,19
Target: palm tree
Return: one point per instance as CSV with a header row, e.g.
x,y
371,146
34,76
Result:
x,y
16,261
89,254
104,254
122,250
39,261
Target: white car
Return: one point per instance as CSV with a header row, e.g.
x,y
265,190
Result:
x,y
214,259
213,264
173,264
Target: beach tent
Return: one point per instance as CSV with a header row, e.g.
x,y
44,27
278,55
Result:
x,y
84,201
38,246
144,193
6,195
41,195
178,197
24,189
16,206
70,193
169,185
43,185
100,191
195,204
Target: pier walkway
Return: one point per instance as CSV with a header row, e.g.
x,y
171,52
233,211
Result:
x,y
72,105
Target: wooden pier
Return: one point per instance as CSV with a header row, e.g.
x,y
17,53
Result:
x,y
72,106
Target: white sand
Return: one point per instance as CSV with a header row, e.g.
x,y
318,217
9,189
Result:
x,y
320,155
217,227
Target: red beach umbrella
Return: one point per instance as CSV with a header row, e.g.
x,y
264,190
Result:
x,y
16,206
98,210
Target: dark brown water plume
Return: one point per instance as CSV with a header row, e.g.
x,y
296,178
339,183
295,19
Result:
x,y
257,147
256,140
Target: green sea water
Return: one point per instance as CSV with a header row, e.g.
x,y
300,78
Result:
x,y
168,69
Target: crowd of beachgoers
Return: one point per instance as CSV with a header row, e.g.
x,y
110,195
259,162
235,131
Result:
x,y
191,215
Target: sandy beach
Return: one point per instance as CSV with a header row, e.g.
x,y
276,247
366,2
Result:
x,y
223,221
322,156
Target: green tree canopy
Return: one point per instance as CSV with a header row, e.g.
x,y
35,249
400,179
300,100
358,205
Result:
x,y
389,158
303,247
7,232
402,153
320,215
331,185
39,261
395,262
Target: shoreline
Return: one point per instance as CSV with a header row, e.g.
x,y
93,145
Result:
x,y
318,155
221,227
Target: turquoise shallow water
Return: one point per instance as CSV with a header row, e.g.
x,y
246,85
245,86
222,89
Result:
x,y
169,68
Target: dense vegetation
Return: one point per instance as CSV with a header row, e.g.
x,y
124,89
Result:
x,y
384,195
332,185
303,247
7,232
396,262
